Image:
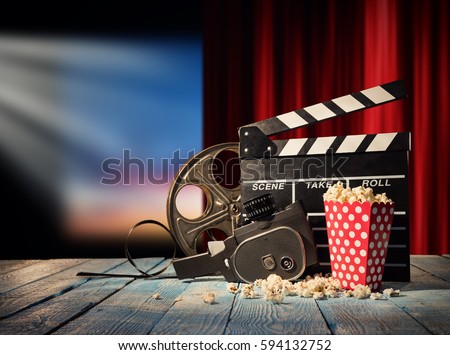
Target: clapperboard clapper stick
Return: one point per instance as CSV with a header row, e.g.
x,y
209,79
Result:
x,y
340,106
303,168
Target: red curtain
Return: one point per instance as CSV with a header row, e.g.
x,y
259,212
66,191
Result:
x,y
263,58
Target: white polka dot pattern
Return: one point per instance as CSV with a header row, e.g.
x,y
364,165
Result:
x,y
361,232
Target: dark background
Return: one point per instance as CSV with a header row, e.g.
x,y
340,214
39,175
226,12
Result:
x,y
31,217
154,17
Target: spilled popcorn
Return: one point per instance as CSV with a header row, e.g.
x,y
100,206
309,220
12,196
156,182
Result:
x,y
330,293
390,292
305,293
209,297
376,296
272,289
289,288
318,295
338,193
247,291
360,291
258,282
232,287
319,287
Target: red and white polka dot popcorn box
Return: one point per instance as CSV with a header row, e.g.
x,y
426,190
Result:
x,y
358,237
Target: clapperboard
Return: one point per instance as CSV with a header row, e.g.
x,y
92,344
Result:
x,y
303,168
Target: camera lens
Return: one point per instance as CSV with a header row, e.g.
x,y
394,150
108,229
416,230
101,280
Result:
x,y
286,263
260,207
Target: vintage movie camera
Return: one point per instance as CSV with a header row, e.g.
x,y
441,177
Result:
x,y
269,242
274,221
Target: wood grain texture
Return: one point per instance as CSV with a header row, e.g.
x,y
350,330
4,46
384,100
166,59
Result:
x,y
169,273
191,315
431,308
7,266
295,315
355,316
61,303
132,310
434,264
426,298
33,293
35,271
46,317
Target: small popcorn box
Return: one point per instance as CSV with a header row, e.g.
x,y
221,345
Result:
x,y
358,237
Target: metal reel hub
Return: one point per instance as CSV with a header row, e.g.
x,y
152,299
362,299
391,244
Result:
x,y
223,205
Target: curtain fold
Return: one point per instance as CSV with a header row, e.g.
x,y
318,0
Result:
x,y
263,58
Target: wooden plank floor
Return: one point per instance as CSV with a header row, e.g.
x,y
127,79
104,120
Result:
x,y
46,297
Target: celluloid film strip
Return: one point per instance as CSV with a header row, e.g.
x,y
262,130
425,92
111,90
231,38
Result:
x,y
357,101
360,143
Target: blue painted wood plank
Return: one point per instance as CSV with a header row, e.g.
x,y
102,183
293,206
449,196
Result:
x,y
295,315
426,299
35,271
54,285
365,316
431,308
7,266
132,310
191,315
46,317
62,303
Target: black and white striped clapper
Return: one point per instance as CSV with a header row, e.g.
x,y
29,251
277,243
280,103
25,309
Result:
x,y
303,168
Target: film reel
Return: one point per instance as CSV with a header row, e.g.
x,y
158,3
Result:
x,y
223,205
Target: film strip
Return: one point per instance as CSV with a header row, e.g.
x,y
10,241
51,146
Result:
x,y
303,168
